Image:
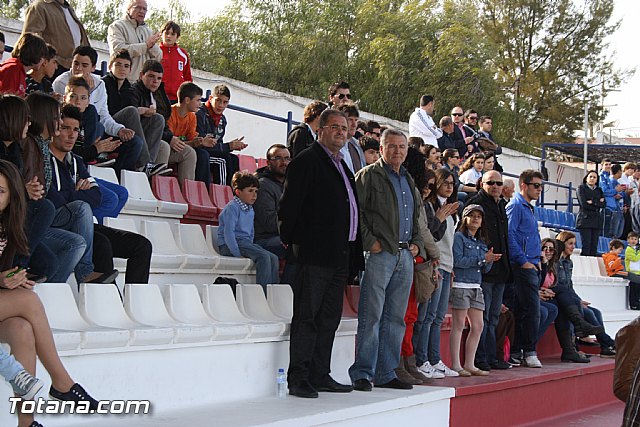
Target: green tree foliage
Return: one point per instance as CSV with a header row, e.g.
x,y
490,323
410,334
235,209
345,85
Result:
x,y
13,9
97,15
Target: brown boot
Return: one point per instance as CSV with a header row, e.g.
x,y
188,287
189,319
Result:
x,y
405,376
411,367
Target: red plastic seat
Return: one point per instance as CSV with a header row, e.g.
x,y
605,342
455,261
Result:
x,y
219,195
247,163
262,163
166,188
200,205
228,193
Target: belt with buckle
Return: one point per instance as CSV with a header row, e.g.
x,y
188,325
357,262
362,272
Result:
x,y
403,245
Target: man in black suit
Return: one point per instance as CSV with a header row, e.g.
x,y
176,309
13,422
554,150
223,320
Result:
x,y
319,219
303,135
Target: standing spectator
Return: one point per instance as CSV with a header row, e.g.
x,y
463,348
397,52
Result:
x,y
524,253
486,125
236,232
421,122
612,196
56,22
508,188
271,179
457,116
303,135
40,78
471,258
370,148
589,222
629,186
391,244
373,130
175,61
352,152
339,93
451,136
489,161
28,54
328,253
133,34
493,281
211,121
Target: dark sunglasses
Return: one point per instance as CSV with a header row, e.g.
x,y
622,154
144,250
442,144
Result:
x,y
473,118
498,183
549,248
536,185
342,95
456,114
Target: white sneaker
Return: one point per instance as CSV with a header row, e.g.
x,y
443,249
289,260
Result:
x,y
441,367
429,371
532,362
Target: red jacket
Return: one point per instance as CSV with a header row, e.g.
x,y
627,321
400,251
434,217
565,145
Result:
x,y
13,77
177,69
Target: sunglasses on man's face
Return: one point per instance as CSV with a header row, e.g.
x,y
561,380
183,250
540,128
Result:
x,y
491,183
343,95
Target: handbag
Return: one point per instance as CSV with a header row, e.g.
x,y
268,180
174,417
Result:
x,y
424,279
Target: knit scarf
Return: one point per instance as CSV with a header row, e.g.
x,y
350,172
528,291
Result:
x,y
215,117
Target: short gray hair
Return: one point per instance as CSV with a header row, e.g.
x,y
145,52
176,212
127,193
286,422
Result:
x,y
508,182
391,132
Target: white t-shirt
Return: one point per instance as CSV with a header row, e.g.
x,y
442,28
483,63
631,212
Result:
x,y
470,177
73,26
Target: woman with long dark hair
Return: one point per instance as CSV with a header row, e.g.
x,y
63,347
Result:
x,y
23,322
590,217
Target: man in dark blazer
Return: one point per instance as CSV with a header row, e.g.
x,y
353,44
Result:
x,y
319,221
303,135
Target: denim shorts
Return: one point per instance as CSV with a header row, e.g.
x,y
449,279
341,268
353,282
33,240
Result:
x,y
464,298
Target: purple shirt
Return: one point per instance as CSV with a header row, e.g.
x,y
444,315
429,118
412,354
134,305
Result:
x,y
353,206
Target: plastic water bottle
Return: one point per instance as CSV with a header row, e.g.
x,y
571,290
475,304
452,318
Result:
x,y
281,384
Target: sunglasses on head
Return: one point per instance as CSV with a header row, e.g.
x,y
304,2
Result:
x,y
342,95
498,183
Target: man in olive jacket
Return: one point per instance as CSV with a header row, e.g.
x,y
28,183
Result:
x,y
389,214
318,217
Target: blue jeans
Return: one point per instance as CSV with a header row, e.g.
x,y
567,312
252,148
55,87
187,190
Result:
x,y
67,247
594,316
39,217
527,310
426,330
114,197
267,264
548,313
273,245
77,217
9,366
617,224
492,304
384,293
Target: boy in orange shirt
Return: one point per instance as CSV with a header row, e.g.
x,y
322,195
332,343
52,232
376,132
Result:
x,y
182,123
615,268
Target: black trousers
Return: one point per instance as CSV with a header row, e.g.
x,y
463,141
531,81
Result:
x,y
111,242
589,241
317,310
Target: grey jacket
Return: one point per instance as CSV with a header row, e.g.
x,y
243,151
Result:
x,y
266,205
379,216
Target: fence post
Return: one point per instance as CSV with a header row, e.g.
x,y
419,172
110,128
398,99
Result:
x,y
570,201
289,121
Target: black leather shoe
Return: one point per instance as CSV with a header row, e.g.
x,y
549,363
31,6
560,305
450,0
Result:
x,y
500,365
362,385
303,389
332,386
574,357
483,366
397,384
104,278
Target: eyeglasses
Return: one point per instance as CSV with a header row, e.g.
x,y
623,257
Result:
x,y
535,185
336,128
490,183
456,114
549,249
448,184
473,118
343,95
280,158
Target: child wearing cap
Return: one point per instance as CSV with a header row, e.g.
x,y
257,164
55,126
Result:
x,y
471,258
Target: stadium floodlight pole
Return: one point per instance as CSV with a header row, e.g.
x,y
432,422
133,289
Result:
x,y
586,135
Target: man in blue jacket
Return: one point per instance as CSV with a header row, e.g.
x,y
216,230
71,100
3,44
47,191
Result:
x,y
75,193
524,253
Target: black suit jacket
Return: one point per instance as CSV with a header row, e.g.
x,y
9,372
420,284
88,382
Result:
x,y
299,139
314,212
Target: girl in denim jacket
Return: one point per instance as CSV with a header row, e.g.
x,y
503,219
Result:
x,y
471,258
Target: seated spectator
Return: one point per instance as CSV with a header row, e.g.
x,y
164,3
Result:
x,y
114,196
339,93
271,179
432,157
549,310
236,230
489,161
182,123
485,127
303,135
147,94
630,270
592,315
415,142
175,60
211,121
110,243
508,188
84,63
451,162
471,172
150,124
451,136
55,252
90,145
74,193
40,78
371,149
28,54
24,323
